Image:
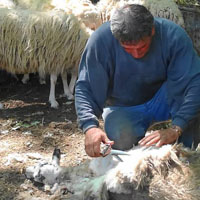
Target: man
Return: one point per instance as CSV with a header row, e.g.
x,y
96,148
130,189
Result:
x,y
136,70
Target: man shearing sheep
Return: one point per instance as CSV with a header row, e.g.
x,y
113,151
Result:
x,y
135,70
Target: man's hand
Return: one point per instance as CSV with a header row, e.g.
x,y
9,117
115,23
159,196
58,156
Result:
x,y
93,139
160,137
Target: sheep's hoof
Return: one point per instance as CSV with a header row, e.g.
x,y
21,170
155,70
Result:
x,y
42,82
62,95
70,97
54,104
25,81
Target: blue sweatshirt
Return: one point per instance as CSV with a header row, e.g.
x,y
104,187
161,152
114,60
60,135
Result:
x,y
108,75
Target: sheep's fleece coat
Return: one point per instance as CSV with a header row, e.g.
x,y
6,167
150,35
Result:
x,y
167,173
51,42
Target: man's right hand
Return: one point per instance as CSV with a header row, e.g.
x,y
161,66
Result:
x,y
93,139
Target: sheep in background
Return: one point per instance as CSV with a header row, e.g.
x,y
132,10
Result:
x,y
10,4
94,15
169,172
50,42
84,10
159,8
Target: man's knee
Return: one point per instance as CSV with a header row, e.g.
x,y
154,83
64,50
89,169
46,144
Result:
x,y
121,129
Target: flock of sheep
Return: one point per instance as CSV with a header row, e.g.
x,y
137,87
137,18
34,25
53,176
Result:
x,y
49,36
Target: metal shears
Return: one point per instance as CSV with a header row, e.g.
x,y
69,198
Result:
x,y
106,150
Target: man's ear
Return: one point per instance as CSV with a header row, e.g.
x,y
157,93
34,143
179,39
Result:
x,y
153,31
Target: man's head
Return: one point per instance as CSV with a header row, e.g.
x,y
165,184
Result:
x,y
133,26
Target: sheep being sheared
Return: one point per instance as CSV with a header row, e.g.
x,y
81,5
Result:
x,y
169,172
50,42
159,8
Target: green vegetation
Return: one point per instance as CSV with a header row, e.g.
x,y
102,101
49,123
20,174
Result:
x,y
25,124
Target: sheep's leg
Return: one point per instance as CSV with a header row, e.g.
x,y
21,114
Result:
x,y
67,92
1,106
73,81
14,76
52,98
25,78
42,77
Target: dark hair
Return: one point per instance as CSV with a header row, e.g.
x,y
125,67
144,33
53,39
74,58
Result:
x,y
131,22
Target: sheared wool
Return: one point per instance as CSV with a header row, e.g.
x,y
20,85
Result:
x,y
170,172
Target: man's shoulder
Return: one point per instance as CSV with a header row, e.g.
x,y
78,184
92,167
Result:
x,y
169,28
166,23
103,30
104,27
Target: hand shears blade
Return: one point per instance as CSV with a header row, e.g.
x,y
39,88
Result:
x,y
108,150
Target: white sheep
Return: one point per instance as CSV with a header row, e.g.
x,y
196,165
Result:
x,y
84,10
11,4
50,42
169,172
94,15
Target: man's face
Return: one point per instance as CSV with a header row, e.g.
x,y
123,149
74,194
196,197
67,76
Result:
x,y
140,48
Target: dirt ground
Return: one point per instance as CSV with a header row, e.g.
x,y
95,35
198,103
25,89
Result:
x,y
29,130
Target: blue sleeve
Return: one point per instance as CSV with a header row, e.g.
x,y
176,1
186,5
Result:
x,y
183,79
92,84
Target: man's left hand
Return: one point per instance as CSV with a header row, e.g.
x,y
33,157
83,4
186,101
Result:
x,y
159,138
